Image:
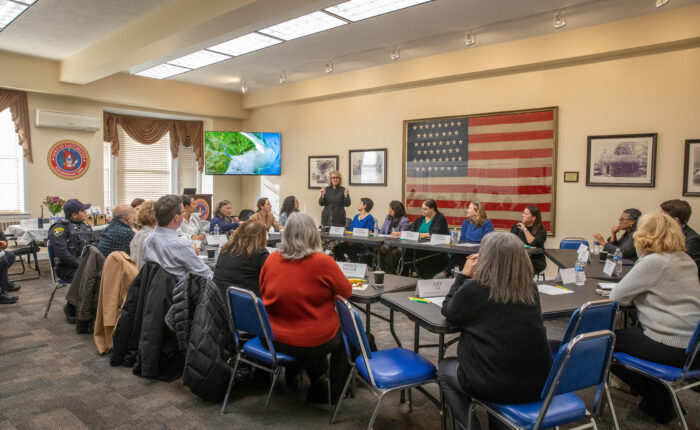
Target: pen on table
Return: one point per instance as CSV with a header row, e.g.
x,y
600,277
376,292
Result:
x,y
416,299
563,288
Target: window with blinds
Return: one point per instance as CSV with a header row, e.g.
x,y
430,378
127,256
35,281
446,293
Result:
x,y
186,169
142,170
11,166
107,174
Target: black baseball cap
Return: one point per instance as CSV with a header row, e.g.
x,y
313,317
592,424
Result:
x,y
74,206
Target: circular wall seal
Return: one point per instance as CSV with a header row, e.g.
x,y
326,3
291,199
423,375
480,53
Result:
x,y
202,207
68,159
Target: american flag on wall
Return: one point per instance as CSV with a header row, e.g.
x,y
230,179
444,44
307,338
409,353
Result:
x,y
504,160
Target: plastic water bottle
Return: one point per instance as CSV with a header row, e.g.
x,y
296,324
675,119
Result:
x,y
455,271
596,247
617,259
216,228
376,227
455,236
580,272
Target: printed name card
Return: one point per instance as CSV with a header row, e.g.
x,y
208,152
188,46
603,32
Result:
x,y
337,231
583,252
609,267
352,270
410,235
360,232
440,239
216,239
434,287
29,223
568,276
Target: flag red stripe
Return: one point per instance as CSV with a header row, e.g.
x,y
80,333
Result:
x,y
520,153
497,223
511,136
523,172
545,115
485,189
488,206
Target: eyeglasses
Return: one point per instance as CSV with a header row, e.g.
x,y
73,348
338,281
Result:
x,y
335,177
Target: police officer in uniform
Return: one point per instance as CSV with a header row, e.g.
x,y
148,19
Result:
x,y
68,237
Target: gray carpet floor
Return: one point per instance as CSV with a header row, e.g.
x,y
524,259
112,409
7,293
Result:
x,y
52,378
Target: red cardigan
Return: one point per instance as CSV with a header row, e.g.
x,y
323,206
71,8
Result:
x,y
299,298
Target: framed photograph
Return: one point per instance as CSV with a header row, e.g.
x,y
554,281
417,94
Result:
x,y
691,171
368,167
625,160
320,168
570,176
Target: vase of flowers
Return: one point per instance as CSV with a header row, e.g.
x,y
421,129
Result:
x,y
55,206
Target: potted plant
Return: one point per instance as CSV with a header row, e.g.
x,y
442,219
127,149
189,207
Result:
x,y
55,206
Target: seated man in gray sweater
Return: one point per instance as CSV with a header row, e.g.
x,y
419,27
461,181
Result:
x,y
663,287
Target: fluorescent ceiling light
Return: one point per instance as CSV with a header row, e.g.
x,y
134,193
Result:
x,y
162,71
10,10
29,2
245,44
199,59
357,10
303,26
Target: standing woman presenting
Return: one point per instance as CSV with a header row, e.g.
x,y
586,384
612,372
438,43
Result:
x,y
334,199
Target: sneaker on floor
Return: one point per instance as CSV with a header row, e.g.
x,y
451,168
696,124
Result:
x,y
440,275
7,300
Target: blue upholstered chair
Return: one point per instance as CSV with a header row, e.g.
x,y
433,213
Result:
x,y
675,379
248,314
572,242
55,280
591,316
382,371
582,363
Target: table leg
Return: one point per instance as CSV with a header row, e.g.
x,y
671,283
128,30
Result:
x,y
441,347
416,338
391,328
368,318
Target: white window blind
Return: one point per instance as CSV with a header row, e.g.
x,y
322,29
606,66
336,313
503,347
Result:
x,y
11,166
107,175
142,170
186,169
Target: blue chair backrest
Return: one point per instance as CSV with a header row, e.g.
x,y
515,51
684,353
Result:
x,y
49,249
692,349
352,326
581,363
248,314
591,316
570,243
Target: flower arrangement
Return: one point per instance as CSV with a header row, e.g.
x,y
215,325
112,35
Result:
x,y
54,203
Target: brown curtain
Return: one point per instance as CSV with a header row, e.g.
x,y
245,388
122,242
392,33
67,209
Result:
x,y
150,130
19,109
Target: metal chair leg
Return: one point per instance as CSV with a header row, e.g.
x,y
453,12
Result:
x,y
376,410
272,387
612,408
677,406
342,395
230,385
470,416
48,306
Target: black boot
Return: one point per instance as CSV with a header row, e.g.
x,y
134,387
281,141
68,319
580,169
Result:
x,y
83,327
69,313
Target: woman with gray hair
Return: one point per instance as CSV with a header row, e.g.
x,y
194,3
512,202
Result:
x,y
503,355
298,285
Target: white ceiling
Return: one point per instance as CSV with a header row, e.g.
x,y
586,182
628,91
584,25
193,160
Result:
x,y
59,29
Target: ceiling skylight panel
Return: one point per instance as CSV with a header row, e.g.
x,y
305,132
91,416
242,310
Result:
x,y
29,2
162,71
357,10
199,59
245,44
315,22
10,10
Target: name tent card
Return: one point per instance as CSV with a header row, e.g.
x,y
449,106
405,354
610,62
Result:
x,y
434,287
583,252
568,276
609,267
410,235
353,270
440,239
360,232
216,239
337,231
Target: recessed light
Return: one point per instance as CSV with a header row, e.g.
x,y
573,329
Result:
x,y
395,53
9,10
470,38
199,59
162,71
357,10
303,26
559,20
245,44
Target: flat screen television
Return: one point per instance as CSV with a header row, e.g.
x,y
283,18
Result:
x,y
242,153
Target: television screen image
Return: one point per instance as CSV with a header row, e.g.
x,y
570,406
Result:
x,y
242,153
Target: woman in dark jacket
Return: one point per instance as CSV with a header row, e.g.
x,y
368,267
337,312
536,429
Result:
x,y
242,258
222,218
531,232
503,355
628,224
431,222
334,199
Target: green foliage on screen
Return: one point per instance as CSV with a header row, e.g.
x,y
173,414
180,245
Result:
x,y
221,146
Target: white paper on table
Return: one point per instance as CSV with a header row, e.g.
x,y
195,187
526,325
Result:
x,y
216,239
29,223
337,231
606,285
469,245
384,235
271,249
440,239
360,232
410,235
362,288
568,276
436,300
353,270
609,267
552,291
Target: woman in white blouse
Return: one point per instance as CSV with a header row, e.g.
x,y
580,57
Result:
x,y
192,227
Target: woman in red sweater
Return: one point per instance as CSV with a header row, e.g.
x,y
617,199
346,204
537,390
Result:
x,y
298,285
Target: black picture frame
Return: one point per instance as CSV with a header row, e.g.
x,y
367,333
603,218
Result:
x,y
367,167
621,160
319,168
691,168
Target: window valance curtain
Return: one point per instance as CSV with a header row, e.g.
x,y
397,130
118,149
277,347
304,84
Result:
x,y
19,110
150,130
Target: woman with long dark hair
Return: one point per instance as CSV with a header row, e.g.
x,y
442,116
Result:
x,y
430,222
289,206
264,215
395,222
242,258
532,232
